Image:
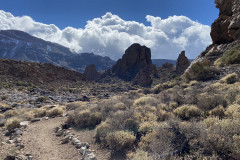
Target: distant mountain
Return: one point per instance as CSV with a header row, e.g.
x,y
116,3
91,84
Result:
x,y
160,62
19,45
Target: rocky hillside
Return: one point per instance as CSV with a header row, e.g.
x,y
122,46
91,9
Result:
x,y
37,73
223,56
19,45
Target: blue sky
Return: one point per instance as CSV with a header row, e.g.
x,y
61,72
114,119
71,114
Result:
x,y
75,13
108,27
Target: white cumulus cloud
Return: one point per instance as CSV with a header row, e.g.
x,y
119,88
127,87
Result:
x,y
110,35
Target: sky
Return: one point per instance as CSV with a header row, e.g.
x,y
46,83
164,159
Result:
x,y
108,27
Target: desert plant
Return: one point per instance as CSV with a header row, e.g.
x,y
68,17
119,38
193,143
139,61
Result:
x,y
147,127
138,155
56,111
12,123
218,111
200,71
230,78
186,112
231,56
233,111
120,140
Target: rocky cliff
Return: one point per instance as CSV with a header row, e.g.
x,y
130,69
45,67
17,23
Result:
x,y
223,56
227,27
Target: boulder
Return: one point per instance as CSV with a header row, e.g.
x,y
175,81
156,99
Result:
x,y
226,28
182,63
91,73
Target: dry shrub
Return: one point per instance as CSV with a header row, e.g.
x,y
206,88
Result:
x,y
77,105
102,130
138,155
39,112
56,111
173,105
165,139
208,102
219,138
147,127
232,94
145,100
218,112
210,121
230,78
85,119
120,140
163,115
236,144
11,113
160,87
12,123
233,111
187,112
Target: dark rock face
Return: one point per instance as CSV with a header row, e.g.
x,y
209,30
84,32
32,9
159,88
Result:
x,y
135,65
91,73
226,28
182,63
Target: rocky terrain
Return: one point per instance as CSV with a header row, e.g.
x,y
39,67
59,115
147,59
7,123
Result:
x,y
131,111
19,45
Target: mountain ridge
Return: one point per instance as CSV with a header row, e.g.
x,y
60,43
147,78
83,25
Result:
x,y
19,45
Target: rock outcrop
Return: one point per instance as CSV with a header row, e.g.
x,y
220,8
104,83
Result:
x,y
91,73
182,63
227,27
221,57
135,65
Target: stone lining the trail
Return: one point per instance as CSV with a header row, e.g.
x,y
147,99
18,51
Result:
x,y
82,147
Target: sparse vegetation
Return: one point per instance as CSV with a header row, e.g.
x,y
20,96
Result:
x,y
231,56
12,123
201,71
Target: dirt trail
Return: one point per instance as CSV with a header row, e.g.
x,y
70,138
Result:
x,y
41,142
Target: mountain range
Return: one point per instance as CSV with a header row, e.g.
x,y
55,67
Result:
x,y
20,45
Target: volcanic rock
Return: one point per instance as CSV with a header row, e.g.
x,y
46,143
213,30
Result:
x,y
182,63
135,65
226,28
91,72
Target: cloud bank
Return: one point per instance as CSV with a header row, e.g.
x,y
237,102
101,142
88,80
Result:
x,y
110,35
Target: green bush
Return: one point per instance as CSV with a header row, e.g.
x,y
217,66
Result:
x,y
200,71
231,56
120,140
